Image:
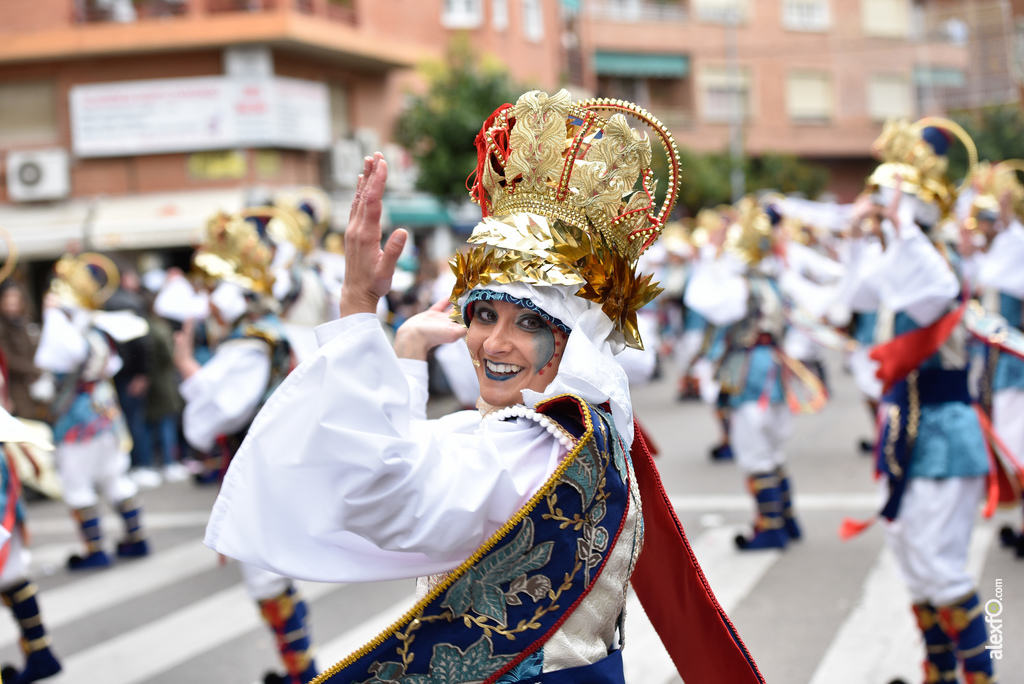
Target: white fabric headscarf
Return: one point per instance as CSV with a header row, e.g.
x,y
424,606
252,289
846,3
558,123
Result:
x,y
588,368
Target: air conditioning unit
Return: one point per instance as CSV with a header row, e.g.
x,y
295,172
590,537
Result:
x,y
38,175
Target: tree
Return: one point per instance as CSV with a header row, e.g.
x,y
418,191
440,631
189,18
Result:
x,y
439,127
998,133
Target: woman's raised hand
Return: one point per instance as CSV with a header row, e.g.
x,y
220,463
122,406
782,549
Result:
x,y
368,268
424,331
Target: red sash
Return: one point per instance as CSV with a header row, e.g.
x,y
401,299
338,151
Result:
x,y
675,594
902,354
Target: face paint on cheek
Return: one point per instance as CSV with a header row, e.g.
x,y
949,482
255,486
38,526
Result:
x,y
543,349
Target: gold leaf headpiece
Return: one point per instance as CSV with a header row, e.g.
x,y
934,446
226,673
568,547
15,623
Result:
x,y
311,210
236,250
750,236
87,280
991,182
568,199
905,153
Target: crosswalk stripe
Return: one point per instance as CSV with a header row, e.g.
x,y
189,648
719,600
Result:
x,y
151,520
122,583
732,576
136,656
879,640
838,501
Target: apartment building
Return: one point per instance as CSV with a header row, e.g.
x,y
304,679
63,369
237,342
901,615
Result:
x,y
814,78
124,124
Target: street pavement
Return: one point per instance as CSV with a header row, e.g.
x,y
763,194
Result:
x,y
823,611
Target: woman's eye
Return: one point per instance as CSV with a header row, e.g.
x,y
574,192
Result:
x,y
486,315
531,323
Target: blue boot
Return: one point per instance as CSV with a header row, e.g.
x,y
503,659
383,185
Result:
x,y
788,517
287,616
134,545
35,642
769,529
964,622
940,658
88,519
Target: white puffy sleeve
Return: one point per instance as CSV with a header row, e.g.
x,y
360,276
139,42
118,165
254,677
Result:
x,y
62,347
222,396
339,481
1001,267
915,279
717,290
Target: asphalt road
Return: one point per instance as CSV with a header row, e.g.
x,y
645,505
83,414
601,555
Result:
x,y
822,612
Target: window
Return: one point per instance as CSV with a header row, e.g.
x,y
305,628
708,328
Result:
x,y
499,14
533,20
809,96
889,97
886,18
723,92
805,15
340,127
28,112
458,14
722,11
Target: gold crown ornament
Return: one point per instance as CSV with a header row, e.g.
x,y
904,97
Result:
x,y
238,251
991,182
905,154
568,198
86,280
311,208
750,236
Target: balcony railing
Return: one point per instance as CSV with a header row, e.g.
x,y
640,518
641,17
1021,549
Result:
x,y
640,10
127,11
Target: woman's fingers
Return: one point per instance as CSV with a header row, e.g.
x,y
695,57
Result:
x,y
441,305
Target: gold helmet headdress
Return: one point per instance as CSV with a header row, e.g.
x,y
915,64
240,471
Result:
x,y
750,236
568,198
311,209
990,183
908,151
87,280
239,248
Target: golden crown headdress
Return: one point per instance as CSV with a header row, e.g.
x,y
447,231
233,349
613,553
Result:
x,y
750,235
568,198
239,248
991,182
87,280
905,153
311,209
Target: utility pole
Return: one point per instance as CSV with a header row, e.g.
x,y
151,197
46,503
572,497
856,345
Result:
x,y
736,176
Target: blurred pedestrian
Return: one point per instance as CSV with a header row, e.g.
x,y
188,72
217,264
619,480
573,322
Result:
x,y
19,335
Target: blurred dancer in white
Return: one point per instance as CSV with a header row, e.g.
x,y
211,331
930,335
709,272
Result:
x,y
76,348
223,395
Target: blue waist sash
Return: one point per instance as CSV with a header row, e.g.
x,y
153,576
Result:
x,y
923,387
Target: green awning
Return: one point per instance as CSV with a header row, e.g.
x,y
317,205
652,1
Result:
x,y
416,210
939,77
641,64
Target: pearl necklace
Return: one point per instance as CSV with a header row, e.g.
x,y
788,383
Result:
x,y
520,411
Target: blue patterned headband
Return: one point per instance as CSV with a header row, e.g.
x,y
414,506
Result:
x,y
482,295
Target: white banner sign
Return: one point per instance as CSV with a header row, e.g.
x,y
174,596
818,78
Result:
x,y
192,114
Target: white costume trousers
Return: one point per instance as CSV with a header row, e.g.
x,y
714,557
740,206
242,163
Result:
x,y
262,584
1008,419
758,436
99,463
18,559
931,534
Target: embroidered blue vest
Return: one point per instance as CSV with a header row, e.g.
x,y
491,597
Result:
x,y
490,617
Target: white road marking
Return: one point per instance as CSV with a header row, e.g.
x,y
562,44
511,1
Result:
x,y
120,584
879,640
844,501
136,656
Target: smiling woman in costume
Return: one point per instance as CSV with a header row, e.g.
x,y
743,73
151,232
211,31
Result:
x,y
522,519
